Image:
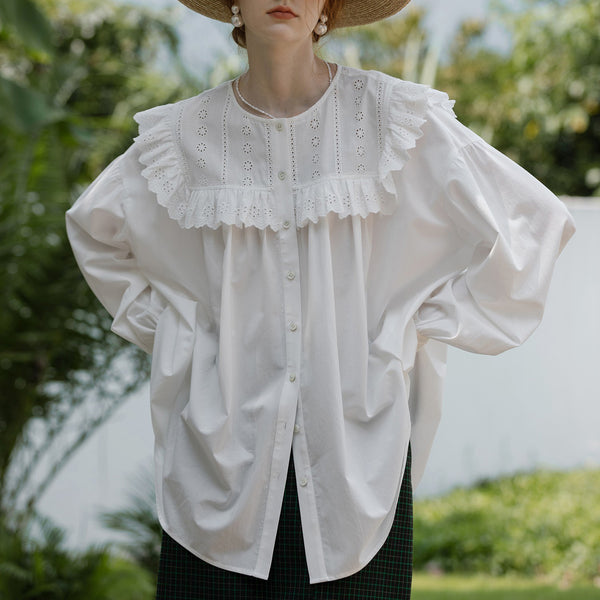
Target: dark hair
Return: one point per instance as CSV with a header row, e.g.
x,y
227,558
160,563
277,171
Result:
x,y
331,10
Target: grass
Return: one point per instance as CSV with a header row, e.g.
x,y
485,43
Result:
x,y
481,587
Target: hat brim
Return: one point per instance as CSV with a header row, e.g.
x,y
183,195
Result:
x,y
354,12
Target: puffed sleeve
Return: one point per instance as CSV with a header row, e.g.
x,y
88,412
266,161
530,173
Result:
x,y
516,228
97,231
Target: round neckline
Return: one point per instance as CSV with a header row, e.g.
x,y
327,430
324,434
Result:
x,y
310,109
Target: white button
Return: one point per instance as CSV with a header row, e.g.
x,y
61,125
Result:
x,y
281,175
293,326
291,275
286,224
296,428
279,126
304,482
292,378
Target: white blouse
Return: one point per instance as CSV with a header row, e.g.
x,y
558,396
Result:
x,y
296,281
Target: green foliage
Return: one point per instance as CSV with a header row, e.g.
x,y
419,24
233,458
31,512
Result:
x,y
65,112
539,524
26,110
25,19
399,47
41,568
540,103
139,521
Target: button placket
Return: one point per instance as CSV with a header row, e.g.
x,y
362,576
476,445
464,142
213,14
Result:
x,y
288,244
290,261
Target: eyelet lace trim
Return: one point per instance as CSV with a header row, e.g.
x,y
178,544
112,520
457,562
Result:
x,y
408,106
353,194
346,196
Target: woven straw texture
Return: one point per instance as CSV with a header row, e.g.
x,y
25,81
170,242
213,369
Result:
x,y
354,12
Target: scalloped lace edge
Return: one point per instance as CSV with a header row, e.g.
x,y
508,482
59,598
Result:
x,y
408,107
242,207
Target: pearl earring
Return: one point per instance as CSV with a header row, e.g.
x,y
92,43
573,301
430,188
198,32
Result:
x,y
236,20
321,28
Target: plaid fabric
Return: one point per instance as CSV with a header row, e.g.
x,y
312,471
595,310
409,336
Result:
x,y
388,576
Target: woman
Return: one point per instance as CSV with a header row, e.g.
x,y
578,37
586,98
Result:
x,y
296,248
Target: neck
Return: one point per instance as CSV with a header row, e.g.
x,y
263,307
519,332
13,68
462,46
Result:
x,y
283,81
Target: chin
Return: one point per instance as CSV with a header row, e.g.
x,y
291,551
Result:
x,y
282,33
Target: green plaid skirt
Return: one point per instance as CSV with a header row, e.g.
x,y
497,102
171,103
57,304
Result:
x,y
388,576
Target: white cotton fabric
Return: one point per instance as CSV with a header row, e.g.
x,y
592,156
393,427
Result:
x,y
297,282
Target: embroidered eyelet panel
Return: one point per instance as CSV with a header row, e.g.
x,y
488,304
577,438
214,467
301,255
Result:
x,y
210,162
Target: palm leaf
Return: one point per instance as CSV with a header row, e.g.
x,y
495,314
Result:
x,y
28,22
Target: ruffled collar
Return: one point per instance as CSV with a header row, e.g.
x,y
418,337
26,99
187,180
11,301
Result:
x,y
402,110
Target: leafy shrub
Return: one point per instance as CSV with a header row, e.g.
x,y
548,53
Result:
x,y
39,567
545,523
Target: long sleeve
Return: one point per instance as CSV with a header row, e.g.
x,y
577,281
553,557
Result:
x,y
517,228
96,229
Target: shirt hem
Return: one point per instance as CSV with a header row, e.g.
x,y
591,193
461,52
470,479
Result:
x,y
210,561
353,571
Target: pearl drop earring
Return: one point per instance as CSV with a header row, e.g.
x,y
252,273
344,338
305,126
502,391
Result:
x,y
321,28
236,20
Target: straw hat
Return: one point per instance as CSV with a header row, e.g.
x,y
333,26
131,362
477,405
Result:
x,y
354,12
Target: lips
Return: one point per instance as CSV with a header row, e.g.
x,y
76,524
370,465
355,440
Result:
x,y
282,10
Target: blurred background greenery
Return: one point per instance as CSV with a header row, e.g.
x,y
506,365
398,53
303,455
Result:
x,y
72,74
